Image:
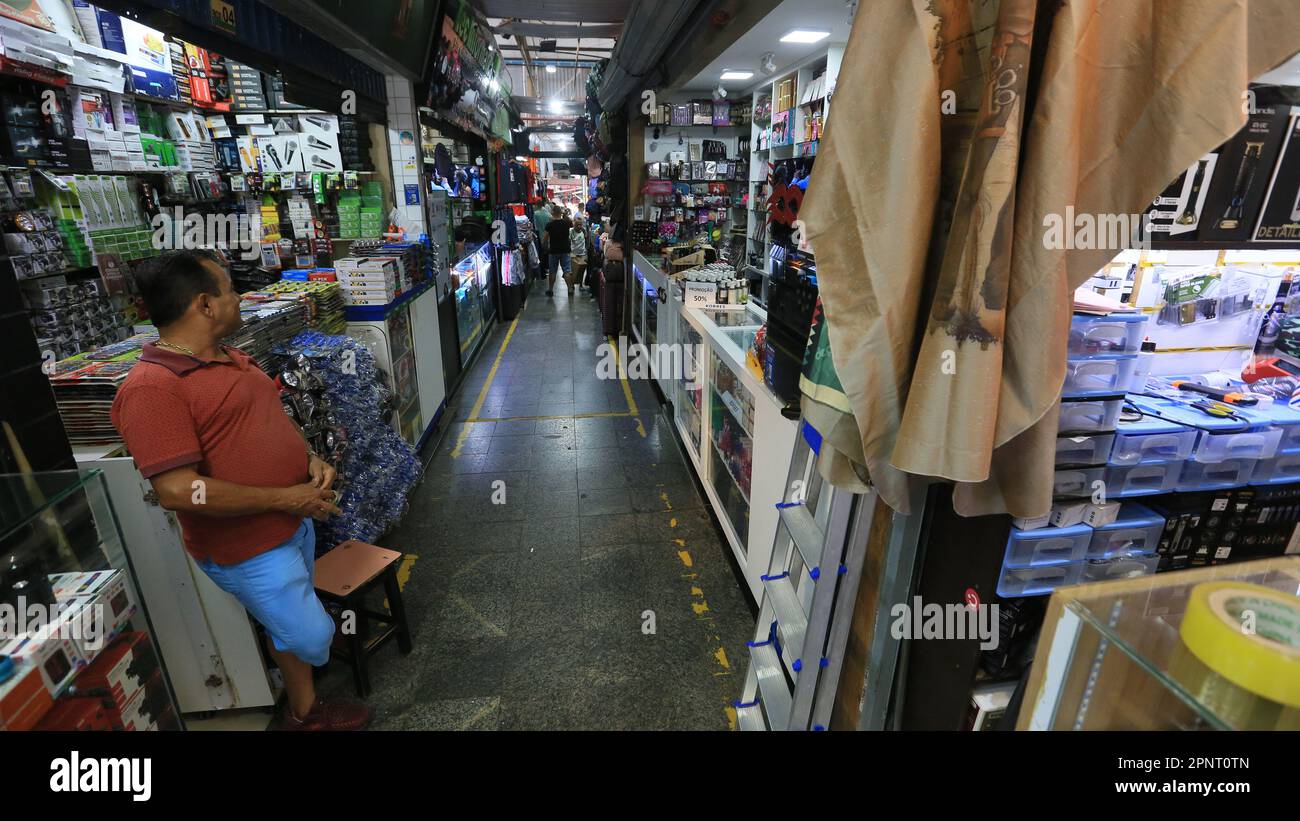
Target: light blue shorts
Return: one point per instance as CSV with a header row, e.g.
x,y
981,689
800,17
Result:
x,y
276,589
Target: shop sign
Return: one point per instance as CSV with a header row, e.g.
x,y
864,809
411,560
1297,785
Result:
x,y
476,43
223,16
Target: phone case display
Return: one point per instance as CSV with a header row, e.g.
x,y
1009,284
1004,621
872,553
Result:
x,y
81,650
377,469
1210,648
732,431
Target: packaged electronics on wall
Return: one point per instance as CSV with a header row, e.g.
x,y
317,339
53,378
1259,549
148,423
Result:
x,y
1245,166
1279,220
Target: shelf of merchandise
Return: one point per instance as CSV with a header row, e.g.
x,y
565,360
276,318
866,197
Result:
x,y
828,60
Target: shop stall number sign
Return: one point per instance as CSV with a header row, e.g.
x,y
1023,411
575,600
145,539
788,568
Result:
x,y
223,16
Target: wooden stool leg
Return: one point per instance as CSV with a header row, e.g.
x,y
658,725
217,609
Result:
x,y
363,658
397,609
357,650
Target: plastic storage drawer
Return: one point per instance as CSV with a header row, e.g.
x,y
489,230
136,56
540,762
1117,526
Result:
x,y
1290,441
1076,483
1126,568
1098,376
1084,450
1047,546
1221,447
1090,416
1277,471
1216,475
1142,480
1135,532
1113,333
1151,440
1037,581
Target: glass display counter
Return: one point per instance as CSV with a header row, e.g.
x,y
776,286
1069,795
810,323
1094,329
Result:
x,y
656,312
1210,648
739,442
472,280
688,401
77,651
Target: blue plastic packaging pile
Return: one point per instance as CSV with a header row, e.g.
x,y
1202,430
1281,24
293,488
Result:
x,y
379,468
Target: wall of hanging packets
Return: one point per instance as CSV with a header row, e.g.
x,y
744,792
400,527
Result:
x,y
331,386
48,251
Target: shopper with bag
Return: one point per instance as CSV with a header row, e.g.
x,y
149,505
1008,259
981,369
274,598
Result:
x,y
557,245
578,244
206,428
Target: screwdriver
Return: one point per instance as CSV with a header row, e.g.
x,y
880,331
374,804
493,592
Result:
x,y
1231,397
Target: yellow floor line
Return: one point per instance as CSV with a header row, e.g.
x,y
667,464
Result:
x,y
474,614
592,415
482,394
403,576
627,389
481,714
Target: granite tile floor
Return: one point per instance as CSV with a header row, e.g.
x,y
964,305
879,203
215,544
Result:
x,y
549,588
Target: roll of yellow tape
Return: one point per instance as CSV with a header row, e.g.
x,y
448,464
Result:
x,y
1248,634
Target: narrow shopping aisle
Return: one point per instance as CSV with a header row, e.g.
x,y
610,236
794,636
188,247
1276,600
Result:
x,y
566,574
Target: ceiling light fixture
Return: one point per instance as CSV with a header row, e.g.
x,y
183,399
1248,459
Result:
x,y
805,36
556,106
736,75
550,69
719,93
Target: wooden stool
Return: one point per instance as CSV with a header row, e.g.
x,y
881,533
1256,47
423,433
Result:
x,y
345,575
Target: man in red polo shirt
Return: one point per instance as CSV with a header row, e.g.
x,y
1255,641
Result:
x,y
206,427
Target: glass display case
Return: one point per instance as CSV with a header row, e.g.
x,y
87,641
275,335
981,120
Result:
x,y
740,441
77,651
689,401
471,278
1210,648
651,295
731,428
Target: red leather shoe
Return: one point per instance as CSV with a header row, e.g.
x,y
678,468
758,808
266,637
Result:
x,y
329,716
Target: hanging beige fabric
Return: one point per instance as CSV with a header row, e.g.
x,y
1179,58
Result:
x,y
947,301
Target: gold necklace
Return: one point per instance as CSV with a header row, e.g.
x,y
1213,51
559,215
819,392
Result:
x,y
178,348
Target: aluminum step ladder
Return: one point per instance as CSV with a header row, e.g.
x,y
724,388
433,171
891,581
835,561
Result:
x,y
808,596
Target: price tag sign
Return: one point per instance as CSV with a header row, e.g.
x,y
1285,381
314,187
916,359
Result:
x,y
699,294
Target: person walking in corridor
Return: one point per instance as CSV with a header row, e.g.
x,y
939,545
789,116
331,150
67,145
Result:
x,y
578,252
556,240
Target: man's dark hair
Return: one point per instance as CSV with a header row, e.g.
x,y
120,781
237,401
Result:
x,y
169,282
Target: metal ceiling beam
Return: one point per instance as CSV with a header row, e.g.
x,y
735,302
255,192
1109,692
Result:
x,y
542,106
567,11
560,31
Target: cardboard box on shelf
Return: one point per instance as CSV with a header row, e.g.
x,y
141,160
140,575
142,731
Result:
x,y
24,699
106,587
76,714
57,659
120,670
